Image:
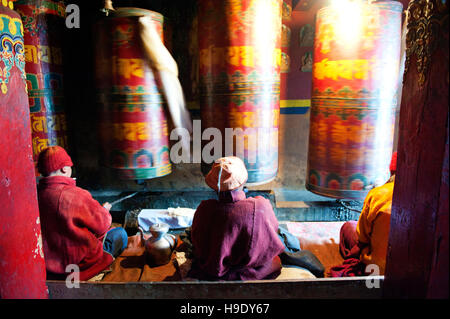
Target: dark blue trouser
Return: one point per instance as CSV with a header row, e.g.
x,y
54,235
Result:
x,y
294,256
291,242
116,240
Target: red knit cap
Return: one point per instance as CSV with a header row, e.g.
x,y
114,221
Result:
x,y
52,159
393,166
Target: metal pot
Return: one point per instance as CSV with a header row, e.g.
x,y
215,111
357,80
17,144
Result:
x,y
160,246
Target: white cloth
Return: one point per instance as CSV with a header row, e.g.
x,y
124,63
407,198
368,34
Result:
x,y
174,217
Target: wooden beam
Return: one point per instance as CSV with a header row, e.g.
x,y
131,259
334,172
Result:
x,y
321,288
419,219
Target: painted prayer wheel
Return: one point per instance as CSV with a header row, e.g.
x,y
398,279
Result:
x,y
355,73
239,75
44,22
133,123
22,266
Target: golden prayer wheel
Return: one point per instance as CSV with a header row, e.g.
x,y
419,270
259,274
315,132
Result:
x,y
240,59
133,124
354,94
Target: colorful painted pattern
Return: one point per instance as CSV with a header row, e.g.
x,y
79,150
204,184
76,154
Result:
x,y
294,106
43,22
240,61
353,103
11,49
133,125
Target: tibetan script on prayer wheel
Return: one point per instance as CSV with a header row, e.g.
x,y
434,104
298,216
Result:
x,y
240,61
354,98
133,124
43,23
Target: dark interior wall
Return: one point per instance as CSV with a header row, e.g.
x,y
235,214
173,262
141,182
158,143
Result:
x,y
79,103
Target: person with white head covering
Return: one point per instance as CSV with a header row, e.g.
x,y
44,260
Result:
x,y
237,237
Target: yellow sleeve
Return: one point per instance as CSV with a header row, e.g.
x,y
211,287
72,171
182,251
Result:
x,y
364,226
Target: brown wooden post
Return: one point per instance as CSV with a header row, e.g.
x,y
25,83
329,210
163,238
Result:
x,y
417,260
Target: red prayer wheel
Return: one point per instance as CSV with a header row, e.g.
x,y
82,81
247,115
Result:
x,y
43,23
22,266
354,93
239,70
133,123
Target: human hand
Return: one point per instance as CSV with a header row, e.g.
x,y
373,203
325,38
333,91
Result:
x,y
107,206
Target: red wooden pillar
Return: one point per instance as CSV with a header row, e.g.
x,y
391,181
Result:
x,y
22,266
417,260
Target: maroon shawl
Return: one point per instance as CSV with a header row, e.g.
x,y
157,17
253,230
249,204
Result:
x,y
235,238
350,249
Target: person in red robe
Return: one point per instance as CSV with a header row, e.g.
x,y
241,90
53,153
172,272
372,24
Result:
x,y
237,237
76,229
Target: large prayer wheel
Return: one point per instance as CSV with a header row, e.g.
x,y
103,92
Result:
x,y
22,266
240,59
43,26
355,73
133,123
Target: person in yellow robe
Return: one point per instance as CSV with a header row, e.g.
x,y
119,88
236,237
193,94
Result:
x,y
365,242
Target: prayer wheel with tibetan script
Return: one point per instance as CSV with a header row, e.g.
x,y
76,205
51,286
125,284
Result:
x,y
354,93
22,266
43,23
240,59
133,124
